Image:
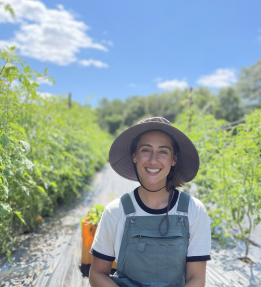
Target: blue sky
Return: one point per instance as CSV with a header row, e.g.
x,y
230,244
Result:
x,y
116,49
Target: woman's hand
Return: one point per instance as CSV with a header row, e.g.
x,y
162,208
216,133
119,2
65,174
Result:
x,y
196,274
99,273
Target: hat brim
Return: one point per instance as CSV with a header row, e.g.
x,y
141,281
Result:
x,y
120,156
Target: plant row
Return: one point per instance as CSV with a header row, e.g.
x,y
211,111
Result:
x,y
229,179
48,151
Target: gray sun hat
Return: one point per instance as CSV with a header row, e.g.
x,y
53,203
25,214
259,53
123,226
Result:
x,y
120,156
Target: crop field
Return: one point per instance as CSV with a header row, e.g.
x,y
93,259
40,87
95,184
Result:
x,y
48,151
51,148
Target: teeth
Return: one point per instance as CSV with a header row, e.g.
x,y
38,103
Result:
x,y
153,170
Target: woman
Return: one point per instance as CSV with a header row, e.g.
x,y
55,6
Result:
x,y
158,235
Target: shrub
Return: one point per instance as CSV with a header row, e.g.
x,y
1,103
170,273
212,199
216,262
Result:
x,y
47,150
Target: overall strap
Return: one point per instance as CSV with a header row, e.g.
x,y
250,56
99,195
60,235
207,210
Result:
x,y
183,202
127,204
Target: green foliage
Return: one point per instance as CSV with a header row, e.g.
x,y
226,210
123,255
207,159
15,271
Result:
x,y
106,112
47,151
115,116
230,171
113,122
229,105
94,215
204,100
135,109
8,8
249,85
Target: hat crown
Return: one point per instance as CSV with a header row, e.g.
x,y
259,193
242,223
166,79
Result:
x,y
155,119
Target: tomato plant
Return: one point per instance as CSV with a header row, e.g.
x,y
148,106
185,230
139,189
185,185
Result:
x,y
229,179
48,151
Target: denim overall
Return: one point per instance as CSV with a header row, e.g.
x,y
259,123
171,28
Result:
x,y
146,257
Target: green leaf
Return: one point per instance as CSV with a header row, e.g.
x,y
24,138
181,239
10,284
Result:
x,y
41,189
94,215
18,213
9,9
5,209
26,190
45,71
4,140
12,48
33,93
26,69
35,85
9,254
6,191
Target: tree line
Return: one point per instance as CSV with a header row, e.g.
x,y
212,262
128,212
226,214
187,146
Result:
x,y
230,103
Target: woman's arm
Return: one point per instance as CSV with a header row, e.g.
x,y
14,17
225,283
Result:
x,y
99,273
196,274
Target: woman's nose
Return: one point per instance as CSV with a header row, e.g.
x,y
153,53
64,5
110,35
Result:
x,y
153,157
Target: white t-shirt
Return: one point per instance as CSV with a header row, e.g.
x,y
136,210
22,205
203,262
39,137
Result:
x,y
108,237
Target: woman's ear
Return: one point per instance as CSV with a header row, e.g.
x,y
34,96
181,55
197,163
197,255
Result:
x,y
134,158
174,160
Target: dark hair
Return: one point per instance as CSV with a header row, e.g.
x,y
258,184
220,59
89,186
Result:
x,y
173,178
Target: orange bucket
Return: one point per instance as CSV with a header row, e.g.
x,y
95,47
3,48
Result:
x,y
88,233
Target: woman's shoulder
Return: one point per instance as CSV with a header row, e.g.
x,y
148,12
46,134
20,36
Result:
x,y
113,205
197,204
197,210
115,208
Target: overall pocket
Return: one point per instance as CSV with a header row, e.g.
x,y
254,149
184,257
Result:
x,y
154,258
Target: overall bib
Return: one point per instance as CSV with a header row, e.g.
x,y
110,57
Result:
x,y
146,257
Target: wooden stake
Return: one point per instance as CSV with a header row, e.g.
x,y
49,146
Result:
x,y
190,102
70,100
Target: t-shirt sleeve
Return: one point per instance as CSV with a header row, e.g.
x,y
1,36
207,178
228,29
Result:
x,y
200,233
104,239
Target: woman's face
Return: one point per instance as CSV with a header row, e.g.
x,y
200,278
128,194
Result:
x,y
154,157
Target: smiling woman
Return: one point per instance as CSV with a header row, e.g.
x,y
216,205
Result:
x,y
169,147
158,235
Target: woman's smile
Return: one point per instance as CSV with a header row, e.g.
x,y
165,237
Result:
x,y
153,171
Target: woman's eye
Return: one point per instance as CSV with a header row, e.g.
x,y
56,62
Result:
x,y
145,150
163,151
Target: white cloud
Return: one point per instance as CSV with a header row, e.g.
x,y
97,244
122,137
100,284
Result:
x,y
59,6
52,35
45,95
15,84
219,79
173,85
95,63
42,81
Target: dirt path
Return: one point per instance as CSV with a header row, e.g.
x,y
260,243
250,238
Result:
x,y
51,255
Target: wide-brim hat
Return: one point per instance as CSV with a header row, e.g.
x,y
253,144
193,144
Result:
x,y
120,156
